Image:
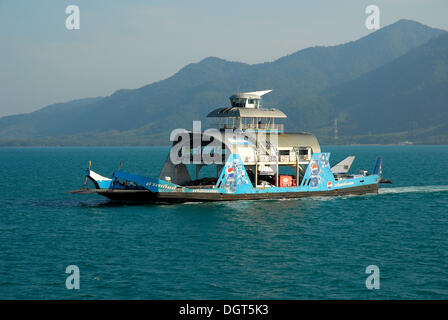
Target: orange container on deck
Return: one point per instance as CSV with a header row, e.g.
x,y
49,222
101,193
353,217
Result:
x,y
286,181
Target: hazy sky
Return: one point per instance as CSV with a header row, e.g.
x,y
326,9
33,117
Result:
x,y
128,44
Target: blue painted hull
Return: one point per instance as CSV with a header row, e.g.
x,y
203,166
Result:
x,y
234,184
180,197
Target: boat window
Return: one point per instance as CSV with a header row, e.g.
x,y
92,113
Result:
x,y
238,102
303,154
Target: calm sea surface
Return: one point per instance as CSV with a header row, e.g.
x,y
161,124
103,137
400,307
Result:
x,y
315,248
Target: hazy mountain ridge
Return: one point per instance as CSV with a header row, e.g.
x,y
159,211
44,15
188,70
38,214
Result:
x,y
412,89
310,86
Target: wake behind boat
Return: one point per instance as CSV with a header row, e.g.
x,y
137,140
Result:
x,y
248,156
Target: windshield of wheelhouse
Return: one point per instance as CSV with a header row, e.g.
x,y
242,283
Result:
x,y
238,102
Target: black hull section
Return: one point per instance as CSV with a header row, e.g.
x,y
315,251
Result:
x,y
142,196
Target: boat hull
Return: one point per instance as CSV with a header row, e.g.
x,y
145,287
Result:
x,y
143,196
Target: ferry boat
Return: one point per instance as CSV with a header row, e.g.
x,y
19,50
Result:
x,y
246,156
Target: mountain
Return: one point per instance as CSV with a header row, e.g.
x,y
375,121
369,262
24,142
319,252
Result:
x,y
309,87
408,95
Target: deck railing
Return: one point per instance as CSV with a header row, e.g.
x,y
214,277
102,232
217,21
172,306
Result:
x,y
282,158
249,126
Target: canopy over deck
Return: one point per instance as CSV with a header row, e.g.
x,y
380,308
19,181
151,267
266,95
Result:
x,y
251,95
238,112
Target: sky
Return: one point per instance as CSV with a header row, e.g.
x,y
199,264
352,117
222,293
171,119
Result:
x,y
129,44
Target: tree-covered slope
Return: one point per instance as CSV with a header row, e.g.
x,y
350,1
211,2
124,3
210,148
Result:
x,y
409,94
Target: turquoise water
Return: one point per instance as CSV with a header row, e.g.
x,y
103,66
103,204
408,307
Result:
x,y
277,249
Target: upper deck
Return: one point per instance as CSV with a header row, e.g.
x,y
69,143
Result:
x,y
246,113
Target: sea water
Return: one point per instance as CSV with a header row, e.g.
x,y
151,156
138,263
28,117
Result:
x,y
314,248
